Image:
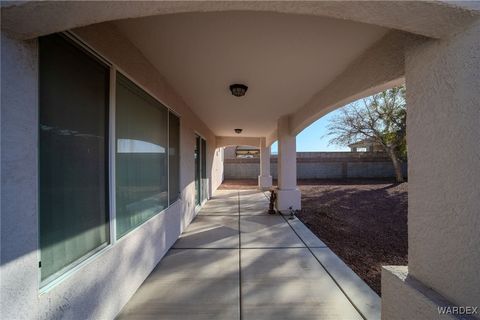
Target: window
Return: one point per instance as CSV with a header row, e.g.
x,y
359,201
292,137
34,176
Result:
x,y
174,157
74,91
141,157
73,96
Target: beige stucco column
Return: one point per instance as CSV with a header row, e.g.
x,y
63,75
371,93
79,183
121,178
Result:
x,y
443,86
288,193
264,179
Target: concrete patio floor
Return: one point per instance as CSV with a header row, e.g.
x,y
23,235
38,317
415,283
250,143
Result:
x,y
237,262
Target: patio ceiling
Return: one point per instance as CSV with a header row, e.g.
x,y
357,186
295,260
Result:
x,y
284,59
302,58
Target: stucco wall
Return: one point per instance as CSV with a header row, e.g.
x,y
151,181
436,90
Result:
x,y
102,285
406,298
19,205
217,169
319,165
443,81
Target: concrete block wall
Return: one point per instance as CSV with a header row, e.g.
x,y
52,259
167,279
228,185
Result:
x,y
320,165
320,170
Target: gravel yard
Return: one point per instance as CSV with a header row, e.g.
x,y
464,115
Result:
x,y
363,221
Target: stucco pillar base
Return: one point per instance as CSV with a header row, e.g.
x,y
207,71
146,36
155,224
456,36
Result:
x,y
404,297
287,199
264,182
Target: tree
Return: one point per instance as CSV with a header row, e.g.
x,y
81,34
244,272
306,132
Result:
x,y
380,118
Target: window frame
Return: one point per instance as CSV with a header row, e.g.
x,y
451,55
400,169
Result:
x,y
60,274
179,155
115,69
64,273
114,141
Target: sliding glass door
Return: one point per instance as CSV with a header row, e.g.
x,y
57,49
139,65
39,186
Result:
x,y
203,173
197,171
201,181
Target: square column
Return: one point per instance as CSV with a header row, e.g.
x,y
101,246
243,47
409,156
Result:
x,y
288,193
264,179
443,118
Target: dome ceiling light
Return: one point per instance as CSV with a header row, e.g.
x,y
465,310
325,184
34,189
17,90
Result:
x,y
238,131
238,90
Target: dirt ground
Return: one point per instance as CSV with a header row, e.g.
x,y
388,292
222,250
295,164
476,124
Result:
x,y
363,221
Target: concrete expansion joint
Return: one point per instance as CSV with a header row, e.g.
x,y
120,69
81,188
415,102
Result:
x,y
347,296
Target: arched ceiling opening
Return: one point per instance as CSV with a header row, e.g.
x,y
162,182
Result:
x,y
436,19
299,58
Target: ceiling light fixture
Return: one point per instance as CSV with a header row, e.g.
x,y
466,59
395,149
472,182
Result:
x,y
238,90
238,131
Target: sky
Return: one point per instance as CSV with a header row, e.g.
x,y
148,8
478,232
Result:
x,y
313,137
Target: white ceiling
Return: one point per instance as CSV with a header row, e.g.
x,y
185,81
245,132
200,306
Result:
x,y
284,60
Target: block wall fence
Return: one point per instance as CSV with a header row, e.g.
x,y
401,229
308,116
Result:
x,y
320,165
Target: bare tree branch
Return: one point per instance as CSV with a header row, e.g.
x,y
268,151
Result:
x,y
381,118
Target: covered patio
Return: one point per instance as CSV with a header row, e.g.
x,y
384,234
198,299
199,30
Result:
x,y
114,118
235,261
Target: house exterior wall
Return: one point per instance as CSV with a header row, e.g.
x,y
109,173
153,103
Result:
x,y
320,165
19,205
102,285
442,78
443,81
403,291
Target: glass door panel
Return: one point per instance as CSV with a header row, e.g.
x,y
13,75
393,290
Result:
x,y
197,172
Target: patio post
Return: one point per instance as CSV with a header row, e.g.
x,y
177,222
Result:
x,y
288,194
443,82
264,179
